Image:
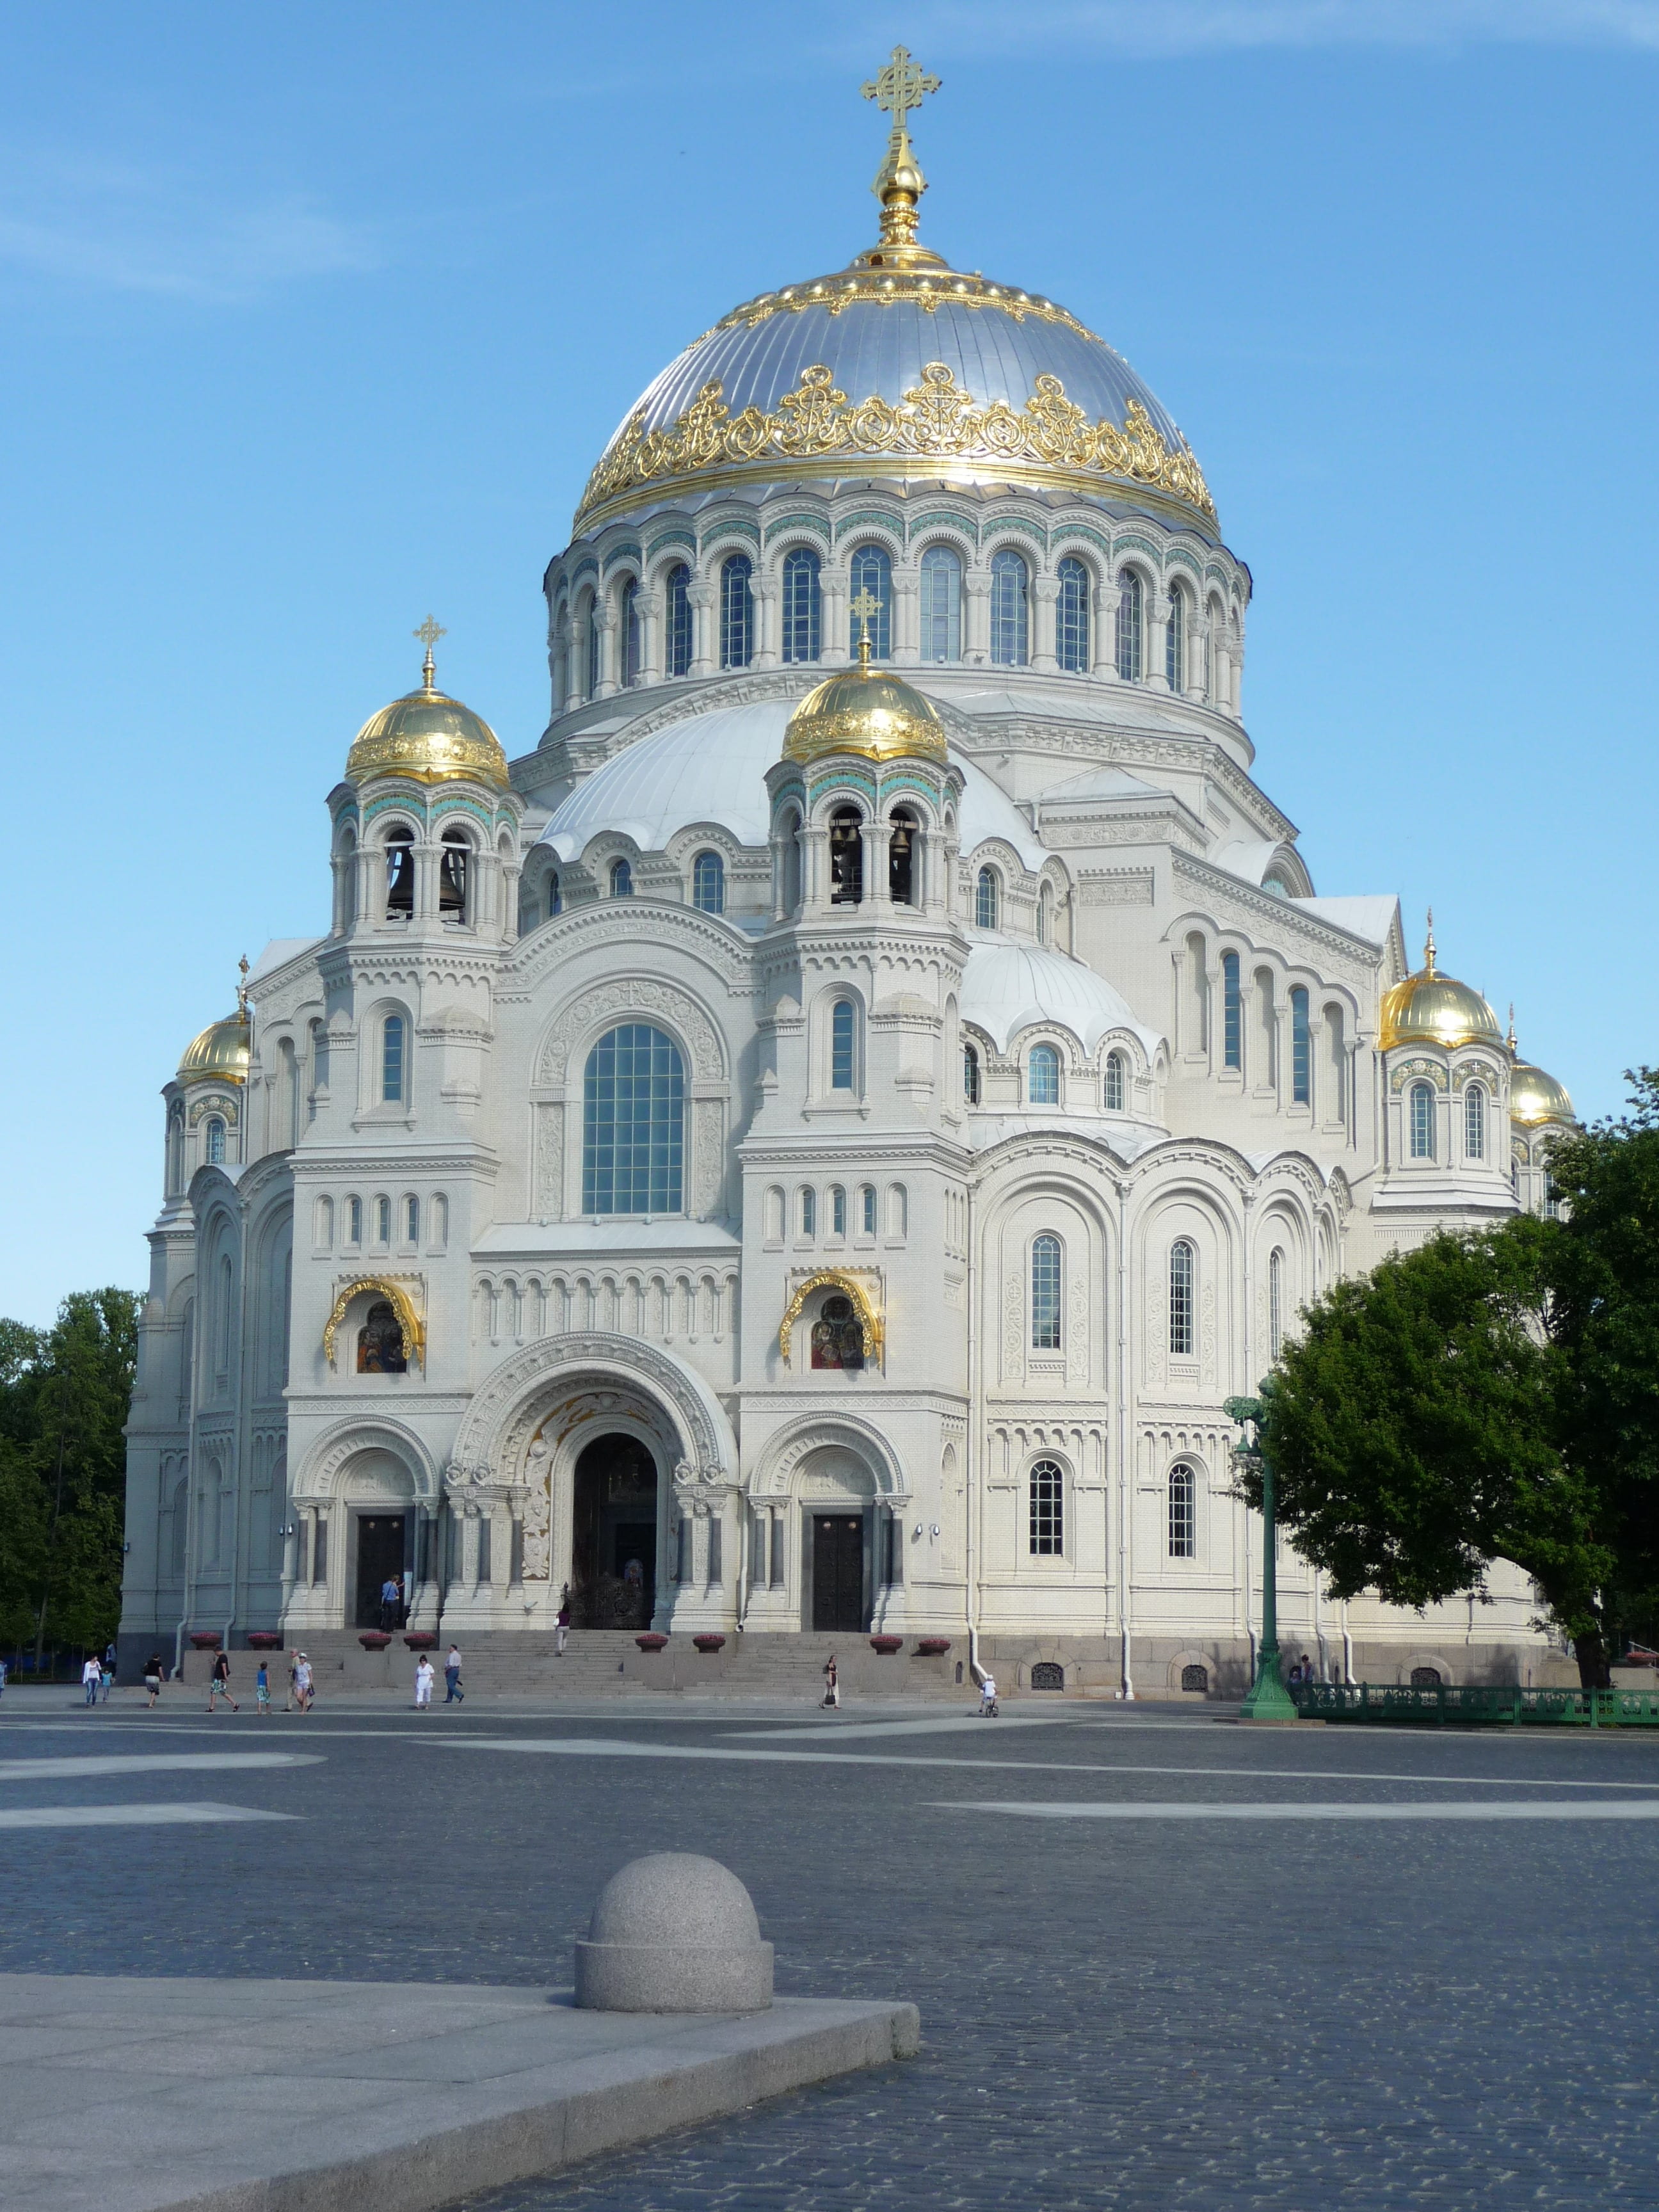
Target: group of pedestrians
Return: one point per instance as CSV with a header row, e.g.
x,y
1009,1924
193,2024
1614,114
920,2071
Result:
x,y
426,1676
98,1677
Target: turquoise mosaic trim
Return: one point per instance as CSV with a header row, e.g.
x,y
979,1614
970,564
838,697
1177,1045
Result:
x,y
813,522
870,517
1002,522
732,526
1140,545
671,537
965,524
1071,530
628,551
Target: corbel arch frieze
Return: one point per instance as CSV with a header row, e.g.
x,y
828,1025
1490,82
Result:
x,y
495,1435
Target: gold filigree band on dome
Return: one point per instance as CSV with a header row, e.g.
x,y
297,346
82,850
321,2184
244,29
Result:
x,y
936,420
927,288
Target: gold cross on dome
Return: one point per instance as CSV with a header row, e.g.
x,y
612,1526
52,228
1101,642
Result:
x,y
901,86
428,633
863,610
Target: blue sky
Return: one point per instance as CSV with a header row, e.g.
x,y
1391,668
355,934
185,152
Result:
x,y
314,319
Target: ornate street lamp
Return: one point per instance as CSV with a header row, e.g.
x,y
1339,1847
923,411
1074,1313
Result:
x,y
1268,1699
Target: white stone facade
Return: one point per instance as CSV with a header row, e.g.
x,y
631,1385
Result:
x,y
1109,1024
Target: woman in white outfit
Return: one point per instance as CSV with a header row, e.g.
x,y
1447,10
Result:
x,y
425,1676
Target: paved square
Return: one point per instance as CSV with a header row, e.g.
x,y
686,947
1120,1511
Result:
x,y
1163,2008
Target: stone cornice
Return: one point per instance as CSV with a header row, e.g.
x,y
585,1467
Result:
x,y
1203,875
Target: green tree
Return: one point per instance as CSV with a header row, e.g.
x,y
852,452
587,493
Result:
x,y
64,1393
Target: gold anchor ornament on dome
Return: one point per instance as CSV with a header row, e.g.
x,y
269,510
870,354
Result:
x,y
868,711
427,736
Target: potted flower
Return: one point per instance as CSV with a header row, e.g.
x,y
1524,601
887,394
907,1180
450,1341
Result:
x,y
709,1643
374,1639
651,1641
204,1639
264,1639
933,1647
419,1639
887,1645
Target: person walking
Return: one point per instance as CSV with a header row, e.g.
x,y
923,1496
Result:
x,y
262,1692
303,1691
561,1627
219,1682
91,1676
3,1677
293,1698
389,1603
425,1676
153,1679
453,1694
105,1678
832,1683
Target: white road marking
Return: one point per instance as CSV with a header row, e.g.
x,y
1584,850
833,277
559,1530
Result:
x,y
1466,1808
126,1816
842,1730
161,1762
614,1747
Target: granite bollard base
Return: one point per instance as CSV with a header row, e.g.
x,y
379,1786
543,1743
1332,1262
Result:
x,y
674,1933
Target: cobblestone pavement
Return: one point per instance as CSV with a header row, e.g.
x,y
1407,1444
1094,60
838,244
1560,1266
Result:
x,y
1133,2014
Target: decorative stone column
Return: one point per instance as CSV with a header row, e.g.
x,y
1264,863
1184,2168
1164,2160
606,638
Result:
x,y
576,672
649,607
1106,599
835,624
423,1612
470,1550
873,836
605,616
1154,674
976,616
1045,595
701,593
906,620
763,589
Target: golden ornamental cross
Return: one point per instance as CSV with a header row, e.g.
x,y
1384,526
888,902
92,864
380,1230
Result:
x,y
863,610
428,633
901,86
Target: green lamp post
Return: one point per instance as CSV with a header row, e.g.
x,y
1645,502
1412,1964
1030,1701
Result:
x,y
1268,1699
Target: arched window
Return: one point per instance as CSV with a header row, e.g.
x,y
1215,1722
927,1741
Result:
x,y
555,896
941,604
871,570
400,871
1266,1067
846,857
622,879
1175,642
1335,1089
1010,615
439,1232
971,1074
1183,1486
842,1045
1045,914
175,1151
411,1221
809,1210
593,637
1048,1511
392,1060
354,1221
214,1150
1275,1301
791,862
708,884
801,603
453,871
737,613
1421,1108
1301,1049
837,1210
987,900
900,857
1474,1121
1114,1083
1233,1012
1130,625
383,1221
633,1122
1072,618
868,1209
1045,1294
1043,1076
1181,1271
630,631
676,621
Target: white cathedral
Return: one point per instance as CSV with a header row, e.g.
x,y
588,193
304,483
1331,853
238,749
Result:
x,y
812,1146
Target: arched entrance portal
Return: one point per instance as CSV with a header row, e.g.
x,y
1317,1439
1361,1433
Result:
x,y
613,1548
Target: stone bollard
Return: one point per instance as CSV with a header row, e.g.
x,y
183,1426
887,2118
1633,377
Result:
x,y
674,1933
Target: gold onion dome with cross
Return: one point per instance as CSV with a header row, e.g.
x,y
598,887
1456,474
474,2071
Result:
x,y
899,367
427,736
1429,1008
223,1051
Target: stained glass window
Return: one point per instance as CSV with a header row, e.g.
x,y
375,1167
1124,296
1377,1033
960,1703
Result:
x,y
1130,609
842,1034
1072,618
1114,1083
1043,1076
1181,1298
677,621
941,604
1474,1121
1422,1120
1048,1511
633,1122
1011,621
1182,1487
801,602
1045,1294
708,884
391,1058
737,613
988,903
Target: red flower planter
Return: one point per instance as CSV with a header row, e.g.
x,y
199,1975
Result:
x,y
419,1639
709,1643
204,1639
651,1642
933,1647
374,1639
264,1639
887,1645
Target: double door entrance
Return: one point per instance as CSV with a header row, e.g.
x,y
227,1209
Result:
x,y
838,1579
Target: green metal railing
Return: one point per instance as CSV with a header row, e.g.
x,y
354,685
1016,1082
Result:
x,y
1441,1704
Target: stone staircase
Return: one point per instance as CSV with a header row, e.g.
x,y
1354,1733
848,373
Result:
x,y
607,1662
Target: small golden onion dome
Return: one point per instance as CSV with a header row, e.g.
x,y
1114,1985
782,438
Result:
x,y
865,711
221,1055
1536,1098
427,736
1429,1008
